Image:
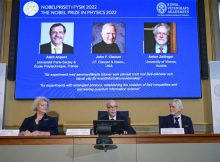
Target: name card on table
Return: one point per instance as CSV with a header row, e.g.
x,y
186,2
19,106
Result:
x,y
9,132
172,131
70,132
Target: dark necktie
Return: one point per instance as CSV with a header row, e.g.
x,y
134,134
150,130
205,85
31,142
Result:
x,y
112,119
176,122
161,50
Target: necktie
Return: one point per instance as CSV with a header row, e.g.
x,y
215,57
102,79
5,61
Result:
x,y
112,119
57,50
161,50
176,122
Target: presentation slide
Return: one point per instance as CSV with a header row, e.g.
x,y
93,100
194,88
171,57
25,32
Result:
x,y
101,49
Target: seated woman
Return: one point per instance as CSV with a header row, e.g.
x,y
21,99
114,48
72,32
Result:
x,y
40,124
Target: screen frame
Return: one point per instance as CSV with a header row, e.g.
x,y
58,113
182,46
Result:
x,y
56,98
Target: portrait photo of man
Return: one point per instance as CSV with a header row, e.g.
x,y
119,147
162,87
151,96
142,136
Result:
x,y
160,38
108,38
58,34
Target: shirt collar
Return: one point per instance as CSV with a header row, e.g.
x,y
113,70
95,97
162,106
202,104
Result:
x,y
157,48
53,47
112,118
179,116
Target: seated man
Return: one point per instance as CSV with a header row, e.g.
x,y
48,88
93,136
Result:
x,y
112,108
176,119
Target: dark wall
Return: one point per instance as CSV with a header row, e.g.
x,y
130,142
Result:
x,y
202,40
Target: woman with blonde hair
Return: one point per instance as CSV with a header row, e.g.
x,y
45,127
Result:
x,y
40,124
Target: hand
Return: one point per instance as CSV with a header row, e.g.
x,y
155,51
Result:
x,y
40,133
25,133
36,133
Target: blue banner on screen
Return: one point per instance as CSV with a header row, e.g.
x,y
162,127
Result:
x,y
89,49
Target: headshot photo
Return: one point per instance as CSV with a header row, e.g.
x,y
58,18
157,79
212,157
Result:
x,y
160,38
108,38
57,38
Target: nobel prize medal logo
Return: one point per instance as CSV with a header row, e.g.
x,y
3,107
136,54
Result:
x,y
30,8
217,90
161,8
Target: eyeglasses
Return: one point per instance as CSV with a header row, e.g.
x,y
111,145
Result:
x,y
161,34
112,107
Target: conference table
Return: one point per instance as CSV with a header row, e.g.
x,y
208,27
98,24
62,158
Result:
x,y
125,148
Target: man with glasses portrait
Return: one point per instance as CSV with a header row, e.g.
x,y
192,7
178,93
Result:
x,y
161,33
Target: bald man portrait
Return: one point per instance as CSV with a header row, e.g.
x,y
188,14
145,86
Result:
x,y
107,45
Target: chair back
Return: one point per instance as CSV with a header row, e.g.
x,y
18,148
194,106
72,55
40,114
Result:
x,y
104,113
161,122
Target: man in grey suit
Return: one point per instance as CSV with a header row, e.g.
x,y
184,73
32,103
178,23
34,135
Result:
x,y
56,45
176,119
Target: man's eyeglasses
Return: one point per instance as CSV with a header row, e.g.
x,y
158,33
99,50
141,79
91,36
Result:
x,y
112,107
161,34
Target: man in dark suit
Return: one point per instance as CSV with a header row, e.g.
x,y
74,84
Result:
x,y
176,119
56,45
112,108
161,34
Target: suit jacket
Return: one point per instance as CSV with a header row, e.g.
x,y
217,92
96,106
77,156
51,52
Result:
x,y
119,116
168,122
46,48
47,124
150,48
